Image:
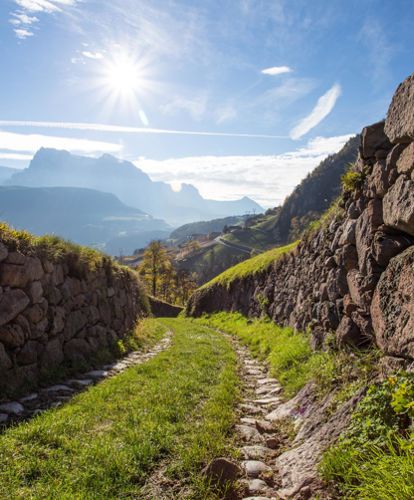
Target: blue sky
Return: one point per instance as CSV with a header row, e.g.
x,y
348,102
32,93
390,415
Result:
x,y
273,86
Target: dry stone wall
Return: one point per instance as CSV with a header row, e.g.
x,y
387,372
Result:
x,y
57,315
355,275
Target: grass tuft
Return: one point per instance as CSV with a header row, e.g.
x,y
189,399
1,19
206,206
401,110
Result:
x,y
250,266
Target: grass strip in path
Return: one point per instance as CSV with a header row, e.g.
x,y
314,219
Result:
x,y
106,442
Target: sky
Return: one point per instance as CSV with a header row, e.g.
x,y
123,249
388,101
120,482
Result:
x,y
237,97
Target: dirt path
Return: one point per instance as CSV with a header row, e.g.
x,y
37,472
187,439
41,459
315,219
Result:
x,y
55,395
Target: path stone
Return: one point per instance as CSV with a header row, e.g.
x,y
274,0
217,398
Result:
x,y
254,468
13,408
56,395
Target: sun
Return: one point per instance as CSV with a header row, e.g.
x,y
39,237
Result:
x,y
122,76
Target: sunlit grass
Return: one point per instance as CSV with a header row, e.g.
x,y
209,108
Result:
x,y
177,407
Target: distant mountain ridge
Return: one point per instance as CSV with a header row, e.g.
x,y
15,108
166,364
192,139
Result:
x,y
51,167
6,173
86,216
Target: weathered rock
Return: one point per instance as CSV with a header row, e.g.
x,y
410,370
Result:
x,y
374,138
35,292
386,245
222,471
52,355
12,303
14,408
348,333
12,335
254,468
399,124
5,361
370,220
398,205
379,179
3,251
392,308
28,353
405,163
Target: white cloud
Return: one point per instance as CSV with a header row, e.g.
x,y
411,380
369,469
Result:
x,y
44,5
266,179
101,127
23,33
322,109
15,156
276,70
23,18
32,142
92,55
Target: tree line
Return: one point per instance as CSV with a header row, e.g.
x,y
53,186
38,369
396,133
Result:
x,y
162,279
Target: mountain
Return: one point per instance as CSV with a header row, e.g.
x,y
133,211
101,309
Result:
x,y
313,196
6,173
86,216
50,167
278,226
186,231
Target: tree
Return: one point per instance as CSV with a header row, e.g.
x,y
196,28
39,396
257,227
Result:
x,y
153,262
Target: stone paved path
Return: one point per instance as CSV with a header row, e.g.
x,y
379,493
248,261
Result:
x,y
258,439
53,396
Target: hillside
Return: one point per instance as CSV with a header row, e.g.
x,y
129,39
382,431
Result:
x,y
85,216
348,283
51,168
277,226
183,233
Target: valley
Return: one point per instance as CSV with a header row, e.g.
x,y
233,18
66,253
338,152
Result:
x,y
206,250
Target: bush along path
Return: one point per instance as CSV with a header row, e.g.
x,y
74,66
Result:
x,y
176,409
53,396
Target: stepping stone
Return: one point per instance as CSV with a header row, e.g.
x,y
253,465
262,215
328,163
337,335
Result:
x,y
264,381
95,374
58,388
249,433
29,397
270,390
80,383
255,452
255,467
248,421
252,409
257,498
257,485
12,408
266,401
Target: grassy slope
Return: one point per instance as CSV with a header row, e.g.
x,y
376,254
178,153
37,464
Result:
x,y
104,443
374,458
250,266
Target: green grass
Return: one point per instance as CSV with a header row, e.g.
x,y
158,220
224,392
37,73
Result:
x,y
374,457
289,354
177,408
292,360
250,266
79,258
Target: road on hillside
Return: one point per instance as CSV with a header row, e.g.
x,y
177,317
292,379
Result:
x,y
235,246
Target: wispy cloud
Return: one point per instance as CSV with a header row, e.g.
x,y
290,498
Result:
x,y
267,179
30,143
195,107
15,156
276,70
22,33
100,127
322,109
23,19
92,55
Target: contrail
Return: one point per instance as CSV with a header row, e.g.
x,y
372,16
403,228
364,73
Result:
x,y
100,127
